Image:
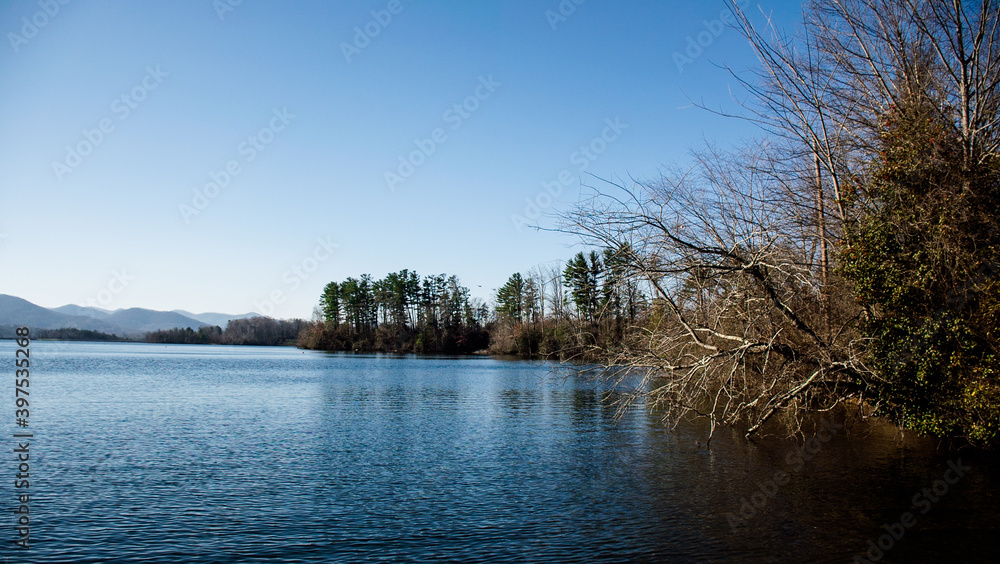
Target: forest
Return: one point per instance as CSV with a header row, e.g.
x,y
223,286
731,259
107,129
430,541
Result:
x,y
401,312
260,331
549,312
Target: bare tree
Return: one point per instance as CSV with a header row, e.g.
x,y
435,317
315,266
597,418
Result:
x,y
734,330
828,89
748,317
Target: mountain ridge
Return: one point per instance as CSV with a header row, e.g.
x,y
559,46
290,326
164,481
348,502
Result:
x,y
213,318
15,311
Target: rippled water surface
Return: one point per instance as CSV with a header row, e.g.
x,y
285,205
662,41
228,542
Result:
x,y
179,453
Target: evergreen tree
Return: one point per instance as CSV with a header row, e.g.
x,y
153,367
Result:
x,y
924,256
510,299
583,277
331,304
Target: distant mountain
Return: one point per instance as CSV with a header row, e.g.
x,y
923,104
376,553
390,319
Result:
x,y
71,309
145,320
220,319
133,322
17,311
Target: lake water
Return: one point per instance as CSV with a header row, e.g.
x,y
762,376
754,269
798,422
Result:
x,y
183,453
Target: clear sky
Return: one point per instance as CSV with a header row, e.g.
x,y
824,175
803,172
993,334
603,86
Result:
x,y
330,139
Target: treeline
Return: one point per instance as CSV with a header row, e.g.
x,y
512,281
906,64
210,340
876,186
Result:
x,y
402,312
71,334
261,331
566,311
554,311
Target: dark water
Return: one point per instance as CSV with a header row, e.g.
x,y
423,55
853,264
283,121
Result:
x,y
153,453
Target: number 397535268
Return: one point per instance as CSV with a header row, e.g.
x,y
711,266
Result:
x,y
22,362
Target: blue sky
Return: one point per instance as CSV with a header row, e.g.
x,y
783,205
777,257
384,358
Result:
x,y
416,146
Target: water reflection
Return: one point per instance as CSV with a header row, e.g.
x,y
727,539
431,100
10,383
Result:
x,y
230,455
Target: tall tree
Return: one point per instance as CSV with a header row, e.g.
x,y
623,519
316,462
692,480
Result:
x,y
331,304
583,277
510,299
